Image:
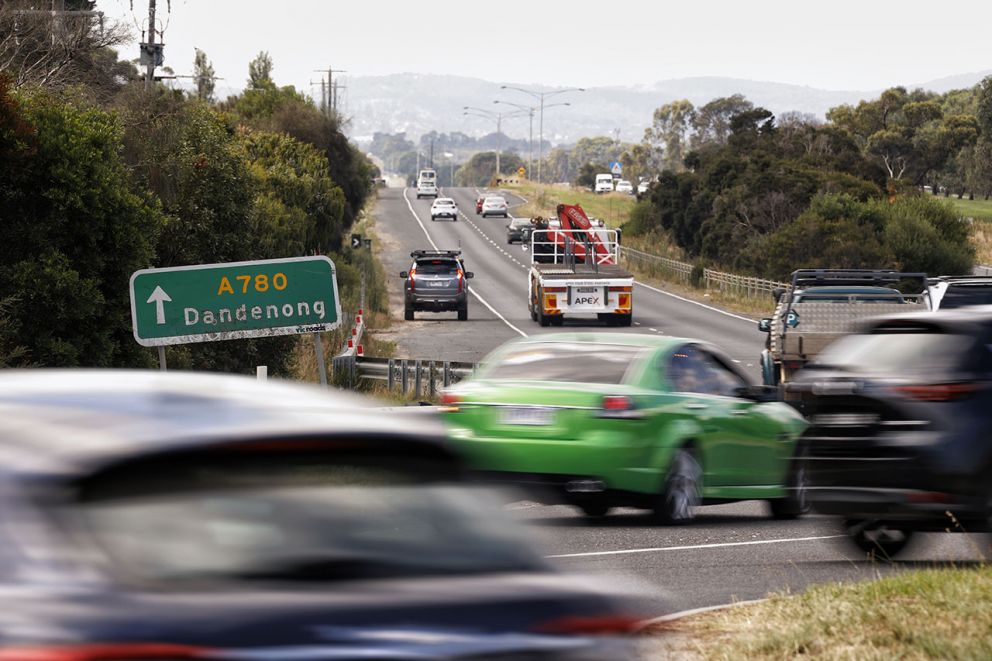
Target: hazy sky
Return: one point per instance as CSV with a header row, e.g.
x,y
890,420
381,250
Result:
x,y
840,45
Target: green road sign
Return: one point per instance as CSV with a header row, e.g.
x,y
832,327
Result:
x,y
211,302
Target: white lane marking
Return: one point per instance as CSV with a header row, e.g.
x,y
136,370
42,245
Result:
x,y
697,611
702,305
470,290
718,545
653,330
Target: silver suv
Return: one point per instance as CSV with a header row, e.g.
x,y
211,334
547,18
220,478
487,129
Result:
x,y
436,282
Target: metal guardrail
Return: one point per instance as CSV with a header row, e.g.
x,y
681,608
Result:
x,y
419,378
712,279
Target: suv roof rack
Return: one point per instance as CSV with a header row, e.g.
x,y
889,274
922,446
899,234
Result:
x,y
814,277
417,254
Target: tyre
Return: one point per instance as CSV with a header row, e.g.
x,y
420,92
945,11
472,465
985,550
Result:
x,y
625,319
879,540
543,319
594,509
683,486
796,503
408,313
558,320
463,313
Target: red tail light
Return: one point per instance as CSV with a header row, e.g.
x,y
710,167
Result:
x,y
461,280
104,652
617,403
937,392
591,626
413,282
448,399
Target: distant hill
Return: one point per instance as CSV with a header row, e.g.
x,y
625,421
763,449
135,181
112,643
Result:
x,y
418,103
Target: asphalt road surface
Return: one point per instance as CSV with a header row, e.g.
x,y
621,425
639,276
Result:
x,y
732,552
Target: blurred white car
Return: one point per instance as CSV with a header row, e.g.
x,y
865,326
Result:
x,y
624,186
444,207
644,186
495,206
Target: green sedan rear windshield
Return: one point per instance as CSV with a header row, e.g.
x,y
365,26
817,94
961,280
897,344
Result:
x,y
578,362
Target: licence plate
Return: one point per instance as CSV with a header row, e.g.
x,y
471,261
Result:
x,y
592,298
437,283
526,416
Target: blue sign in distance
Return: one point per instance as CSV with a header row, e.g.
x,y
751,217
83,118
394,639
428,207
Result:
x,y
616,167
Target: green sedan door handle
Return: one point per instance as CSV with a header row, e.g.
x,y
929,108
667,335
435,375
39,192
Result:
x,y
739,412
695,406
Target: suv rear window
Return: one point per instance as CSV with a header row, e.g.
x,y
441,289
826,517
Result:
x,y
962,295
436,267
571,362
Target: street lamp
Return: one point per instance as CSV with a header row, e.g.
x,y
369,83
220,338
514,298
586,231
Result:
x,y
530,110
498,116
541,96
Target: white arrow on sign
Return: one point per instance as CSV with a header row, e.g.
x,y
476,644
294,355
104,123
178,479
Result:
x,y
159,298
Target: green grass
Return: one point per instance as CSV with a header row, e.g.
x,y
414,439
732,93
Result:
x,y
936,613
977,209
614,208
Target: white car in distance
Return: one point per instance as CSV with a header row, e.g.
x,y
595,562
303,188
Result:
x,y
444,207
426,188
644,186
624,186
495,206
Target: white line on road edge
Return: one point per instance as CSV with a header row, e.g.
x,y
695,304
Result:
x,y
470,290
671,617
702,305
692,547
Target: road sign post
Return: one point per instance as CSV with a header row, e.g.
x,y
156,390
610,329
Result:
x,y
238,300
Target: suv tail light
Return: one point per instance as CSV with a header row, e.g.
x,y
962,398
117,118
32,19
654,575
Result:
x,y
105,652
413,280
937,392
461,280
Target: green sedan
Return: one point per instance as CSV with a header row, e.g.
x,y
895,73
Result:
x,y
601,420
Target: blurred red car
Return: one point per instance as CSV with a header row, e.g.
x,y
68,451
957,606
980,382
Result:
x,y
478,204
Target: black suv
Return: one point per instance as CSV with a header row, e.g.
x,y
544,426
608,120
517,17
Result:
x,y
899,436
436,282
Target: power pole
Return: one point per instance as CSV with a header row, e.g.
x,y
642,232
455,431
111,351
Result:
x,y
150,69
328,90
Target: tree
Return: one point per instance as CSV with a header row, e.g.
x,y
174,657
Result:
x,y
54,49
74,229
480,170
668,136
260,72
203,74
711,123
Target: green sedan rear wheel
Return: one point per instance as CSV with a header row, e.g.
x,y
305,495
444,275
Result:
x,y
796,503
677,503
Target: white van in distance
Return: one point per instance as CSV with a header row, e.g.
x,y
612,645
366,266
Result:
x,y
604,183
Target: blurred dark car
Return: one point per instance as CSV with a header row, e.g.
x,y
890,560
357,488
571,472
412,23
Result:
x,y
176,516
518,230
899,437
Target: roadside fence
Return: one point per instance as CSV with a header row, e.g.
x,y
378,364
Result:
x,y
419,378
681,272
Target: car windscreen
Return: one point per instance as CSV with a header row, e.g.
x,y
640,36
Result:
x,y
901,353
320,521
572,362
436,267
495,200
520,223
959,296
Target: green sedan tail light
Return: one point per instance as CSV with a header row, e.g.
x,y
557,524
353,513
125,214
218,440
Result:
x,y
617,403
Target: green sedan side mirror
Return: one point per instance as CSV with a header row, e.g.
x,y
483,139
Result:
x,y
765,325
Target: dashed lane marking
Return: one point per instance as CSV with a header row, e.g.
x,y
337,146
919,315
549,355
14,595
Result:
x,y
471,291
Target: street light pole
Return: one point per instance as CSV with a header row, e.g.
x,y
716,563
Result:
x,y
541,96
498,116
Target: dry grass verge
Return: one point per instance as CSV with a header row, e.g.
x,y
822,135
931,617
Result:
x,y
937,613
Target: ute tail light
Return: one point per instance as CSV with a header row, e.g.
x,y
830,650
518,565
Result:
x,y
105,652
617,403
937,392
606,625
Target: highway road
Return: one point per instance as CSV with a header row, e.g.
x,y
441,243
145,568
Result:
x,y
732,552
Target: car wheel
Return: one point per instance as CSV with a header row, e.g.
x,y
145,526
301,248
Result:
x,y
463,313
796,503
879,540
594,509
681,495
408,313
